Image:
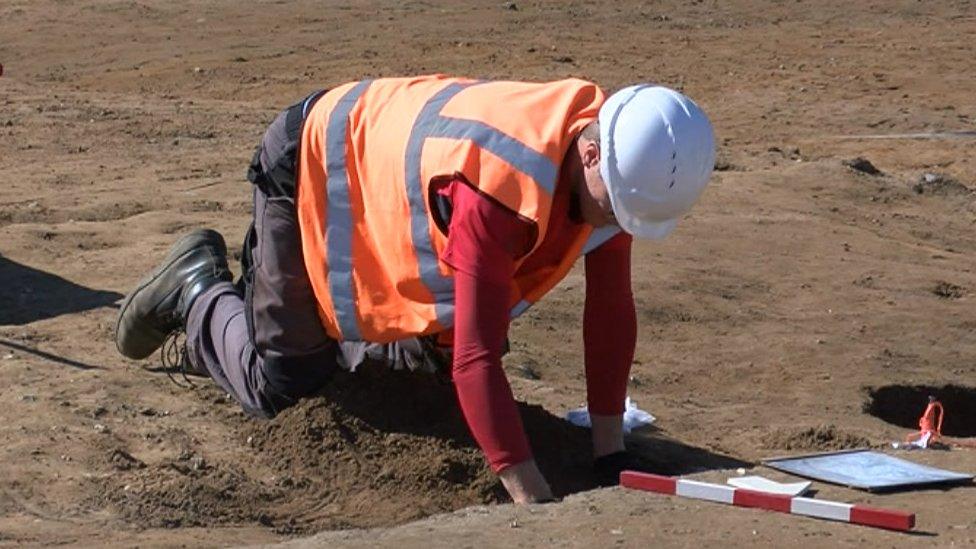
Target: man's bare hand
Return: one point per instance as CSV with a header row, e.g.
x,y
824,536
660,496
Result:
x,y
525,483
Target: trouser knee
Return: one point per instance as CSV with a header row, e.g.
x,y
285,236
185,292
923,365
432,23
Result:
x,y
289,379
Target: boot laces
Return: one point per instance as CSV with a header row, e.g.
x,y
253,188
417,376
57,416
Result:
x,y
174,359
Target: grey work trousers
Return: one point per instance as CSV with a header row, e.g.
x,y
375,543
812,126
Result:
x,y
266,346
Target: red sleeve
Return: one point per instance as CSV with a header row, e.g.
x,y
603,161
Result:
x,y
609,325
483,241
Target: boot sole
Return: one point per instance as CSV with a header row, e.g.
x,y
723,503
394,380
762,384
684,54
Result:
x,y
188,243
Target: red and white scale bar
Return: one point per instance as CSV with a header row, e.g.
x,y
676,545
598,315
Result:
x,y
830,510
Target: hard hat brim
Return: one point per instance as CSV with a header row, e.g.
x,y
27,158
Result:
x,y
652,230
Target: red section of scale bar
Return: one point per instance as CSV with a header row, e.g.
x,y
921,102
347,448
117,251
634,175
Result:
x,y
649,482
761,500
860,514
882,518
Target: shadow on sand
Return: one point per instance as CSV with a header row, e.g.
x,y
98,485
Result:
x,y
27,295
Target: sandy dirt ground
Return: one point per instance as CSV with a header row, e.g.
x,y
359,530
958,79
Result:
x,y
808,303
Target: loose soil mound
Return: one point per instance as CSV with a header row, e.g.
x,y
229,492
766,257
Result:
x,y
379,447
375,448
819,438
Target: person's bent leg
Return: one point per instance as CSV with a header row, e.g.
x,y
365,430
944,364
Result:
x,y
218,342
267,348
287,332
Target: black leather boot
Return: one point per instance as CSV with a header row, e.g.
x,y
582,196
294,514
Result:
x,y
161,301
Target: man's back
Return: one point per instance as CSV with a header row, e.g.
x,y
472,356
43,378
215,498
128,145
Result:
x,y
370,153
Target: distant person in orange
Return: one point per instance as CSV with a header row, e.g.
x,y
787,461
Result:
x,y
929,430
407,220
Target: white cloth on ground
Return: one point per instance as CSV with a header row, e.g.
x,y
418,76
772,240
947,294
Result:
x,y
634,417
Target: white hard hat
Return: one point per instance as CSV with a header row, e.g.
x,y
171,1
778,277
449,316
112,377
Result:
x,y
657,151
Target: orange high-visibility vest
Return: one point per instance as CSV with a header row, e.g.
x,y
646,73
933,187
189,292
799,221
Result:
x,y
369,153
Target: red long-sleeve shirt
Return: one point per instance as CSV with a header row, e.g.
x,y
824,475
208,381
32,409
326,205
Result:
x,y
484,242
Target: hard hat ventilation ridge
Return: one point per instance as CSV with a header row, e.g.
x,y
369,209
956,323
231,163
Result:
x,y
674,167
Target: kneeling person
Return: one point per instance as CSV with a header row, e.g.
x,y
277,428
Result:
x,y
409,219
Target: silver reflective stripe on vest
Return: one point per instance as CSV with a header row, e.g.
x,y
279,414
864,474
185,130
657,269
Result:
x,y
533,164
441,287
339,224
596,238
430,124
520,308
599,236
